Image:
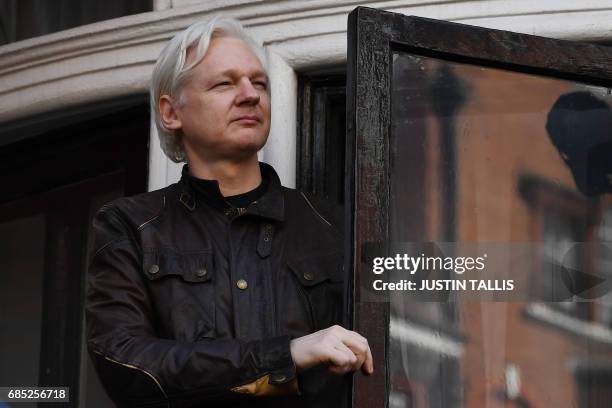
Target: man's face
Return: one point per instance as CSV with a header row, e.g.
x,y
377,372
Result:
x,y
224,108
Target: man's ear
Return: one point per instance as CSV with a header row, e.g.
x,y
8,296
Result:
x,y
168,114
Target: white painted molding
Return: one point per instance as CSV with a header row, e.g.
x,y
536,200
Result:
x,y
280,150
157,162
162,171
114,58
162,4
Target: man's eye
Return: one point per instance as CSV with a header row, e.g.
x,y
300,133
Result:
x,y
222,83
261,84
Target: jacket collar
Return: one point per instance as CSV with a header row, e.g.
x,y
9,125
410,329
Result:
x,y
270,205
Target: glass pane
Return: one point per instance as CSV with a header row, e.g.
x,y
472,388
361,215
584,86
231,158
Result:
x,y
482,155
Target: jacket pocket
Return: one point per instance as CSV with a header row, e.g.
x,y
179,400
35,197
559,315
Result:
x,y
194,267
182,284
320,280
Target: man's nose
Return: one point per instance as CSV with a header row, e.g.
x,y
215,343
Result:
x,y
247,93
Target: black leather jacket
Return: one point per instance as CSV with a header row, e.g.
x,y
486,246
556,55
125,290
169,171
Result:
x,y
192,302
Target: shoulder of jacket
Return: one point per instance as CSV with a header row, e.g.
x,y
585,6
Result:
x,y
138,210
326,210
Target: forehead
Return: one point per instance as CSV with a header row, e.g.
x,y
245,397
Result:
x,y
227,54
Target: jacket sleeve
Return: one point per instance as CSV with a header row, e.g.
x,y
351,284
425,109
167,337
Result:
x,y
139,368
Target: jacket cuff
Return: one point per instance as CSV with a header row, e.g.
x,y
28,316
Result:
x,y
276,360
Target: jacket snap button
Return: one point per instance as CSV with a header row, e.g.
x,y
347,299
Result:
x,y
242,284
201,272
153,269
308,276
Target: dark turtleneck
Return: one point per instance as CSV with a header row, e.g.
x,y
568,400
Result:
x,y
209,190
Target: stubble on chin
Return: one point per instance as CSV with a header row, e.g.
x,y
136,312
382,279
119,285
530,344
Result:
x,y
243,147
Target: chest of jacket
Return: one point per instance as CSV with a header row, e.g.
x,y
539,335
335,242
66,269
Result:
x,y
214,275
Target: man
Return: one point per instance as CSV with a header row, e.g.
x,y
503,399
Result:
x,y
225,288
579,127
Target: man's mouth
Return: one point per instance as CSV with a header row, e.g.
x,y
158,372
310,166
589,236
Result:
x,y
248,119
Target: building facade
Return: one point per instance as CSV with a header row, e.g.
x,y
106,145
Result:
x,y
74,122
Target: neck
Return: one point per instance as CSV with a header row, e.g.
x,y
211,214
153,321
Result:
x,y
234,177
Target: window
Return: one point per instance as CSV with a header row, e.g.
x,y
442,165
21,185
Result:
x,y
321,130
470,135
21,19
53,183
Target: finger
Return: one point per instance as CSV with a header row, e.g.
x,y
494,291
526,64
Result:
x,y
357,359
352,360
341,357
336,337
358,345
368,365
360,357
354,337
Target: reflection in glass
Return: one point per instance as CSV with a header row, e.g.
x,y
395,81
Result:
x,y
486,155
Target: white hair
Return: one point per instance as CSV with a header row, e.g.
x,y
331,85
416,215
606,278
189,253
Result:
x,y
171,70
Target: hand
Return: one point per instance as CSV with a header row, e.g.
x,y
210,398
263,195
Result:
x,y
341,350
